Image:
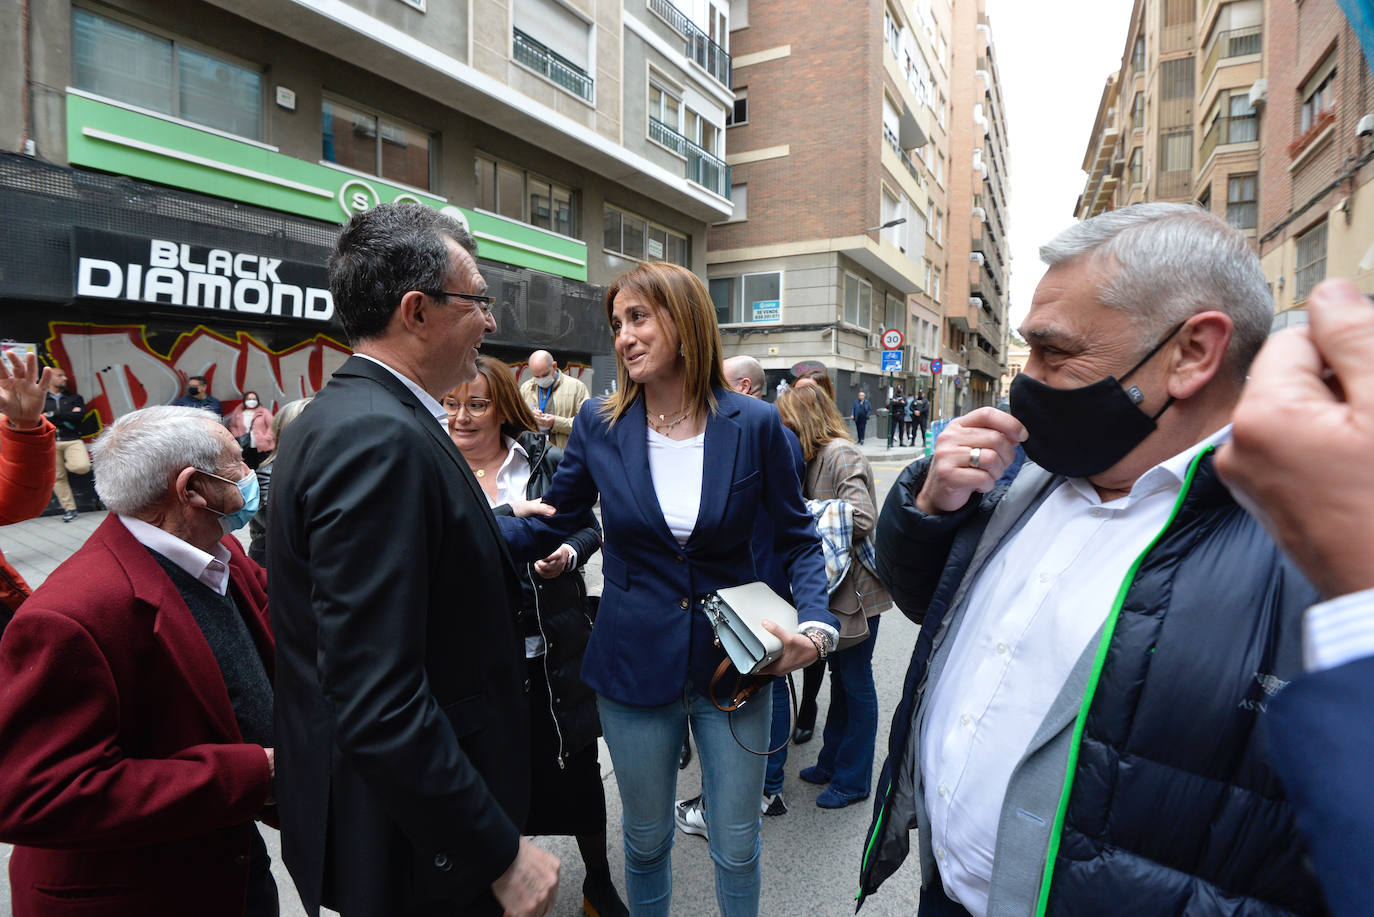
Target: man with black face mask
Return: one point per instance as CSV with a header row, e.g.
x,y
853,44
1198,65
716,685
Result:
x,y
198,396
1101,630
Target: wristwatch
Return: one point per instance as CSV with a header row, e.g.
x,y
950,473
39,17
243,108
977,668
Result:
x,y
826,640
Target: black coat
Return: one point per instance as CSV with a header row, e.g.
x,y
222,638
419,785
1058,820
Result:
x,y
401,714
559,610
1175,806
66,411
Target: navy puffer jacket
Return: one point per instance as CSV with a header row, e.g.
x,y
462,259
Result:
x,y
1173,807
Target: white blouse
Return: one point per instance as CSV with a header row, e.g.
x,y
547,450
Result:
x,y
676,468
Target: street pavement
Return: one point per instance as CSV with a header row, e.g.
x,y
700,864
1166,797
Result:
x,y
810,855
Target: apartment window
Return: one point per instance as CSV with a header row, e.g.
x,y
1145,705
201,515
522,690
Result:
x,y
553,41
893,33
1135,166
635,237
700,131
664,106
858,302
739,196
1241,200
519,195
1244,124
935,284
891,210
1138,111
164,75
368,142
1176,152
929,275
1311,261
939,228
892,314
747,298
1138,54
1176,78
739,114
1318,95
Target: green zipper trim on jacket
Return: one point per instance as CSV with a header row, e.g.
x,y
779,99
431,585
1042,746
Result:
x,y
1108,629
873,839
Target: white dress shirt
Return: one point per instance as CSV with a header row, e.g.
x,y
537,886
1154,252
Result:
x,y
1030,615
426,399
1338,631
676,468
211,569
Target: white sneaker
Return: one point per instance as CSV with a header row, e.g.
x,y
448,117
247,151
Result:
x,y
773,805
691,816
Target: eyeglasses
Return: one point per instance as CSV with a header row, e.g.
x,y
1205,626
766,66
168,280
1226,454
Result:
x,y
476,406
484,302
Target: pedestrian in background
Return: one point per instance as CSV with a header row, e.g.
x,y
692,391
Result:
x,y
920,414
499,438
839,486
257,528
251,424
66,409
198,396
554,396
896,407
683,466
27,452
1314,489
909,421
859,411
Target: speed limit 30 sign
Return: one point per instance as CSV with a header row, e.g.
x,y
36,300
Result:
x,y
892,339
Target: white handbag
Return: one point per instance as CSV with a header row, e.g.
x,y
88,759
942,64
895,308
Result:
x,y
737,614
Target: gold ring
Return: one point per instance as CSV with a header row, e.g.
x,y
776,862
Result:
x,y
973,455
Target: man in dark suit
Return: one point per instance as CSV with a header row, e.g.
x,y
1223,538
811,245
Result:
x,y
402,718
136,726
1313,484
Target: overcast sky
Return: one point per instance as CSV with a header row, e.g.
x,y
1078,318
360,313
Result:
x,y
1053,59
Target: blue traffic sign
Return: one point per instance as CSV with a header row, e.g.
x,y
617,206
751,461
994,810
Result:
x,y
892,361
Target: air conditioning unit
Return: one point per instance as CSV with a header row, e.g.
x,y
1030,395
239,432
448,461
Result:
x,y
979,213
1259,93
978,257
875,341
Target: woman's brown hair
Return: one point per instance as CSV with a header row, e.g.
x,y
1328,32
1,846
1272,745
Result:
x,y
811,414
516,417
677,294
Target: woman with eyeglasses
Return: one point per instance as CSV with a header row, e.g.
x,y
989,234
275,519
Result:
x,y
683,466
496,433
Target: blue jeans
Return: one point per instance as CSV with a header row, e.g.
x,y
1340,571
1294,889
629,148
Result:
x,y
645,743
851,724
778,736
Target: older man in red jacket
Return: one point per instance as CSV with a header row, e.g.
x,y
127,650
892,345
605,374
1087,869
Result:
x,y
135,695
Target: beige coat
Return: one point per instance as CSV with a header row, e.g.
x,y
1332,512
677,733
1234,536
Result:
x,y
568,395
840,472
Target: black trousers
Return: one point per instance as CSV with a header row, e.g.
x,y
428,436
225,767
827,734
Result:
x,y
935,903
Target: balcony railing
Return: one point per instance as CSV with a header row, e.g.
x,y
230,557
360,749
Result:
x,y
703,168
1243,129
1232,43
552,65
892,141
700,47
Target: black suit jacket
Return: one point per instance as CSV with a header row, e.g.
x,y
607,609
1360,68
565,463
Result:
x,y
403,762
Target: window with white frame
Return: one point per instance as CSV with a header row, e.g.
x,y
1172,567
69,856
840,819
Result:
x,y
1241,200
891,211
367,141
739,113
1311,261
631,235
892,313
858,302
935,285
1318,94
140,67
520,195
555,42
747,298
739,197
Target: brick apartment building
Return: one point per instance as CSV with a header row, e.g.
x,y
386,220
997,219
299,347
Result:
x,y
1255,110
844,145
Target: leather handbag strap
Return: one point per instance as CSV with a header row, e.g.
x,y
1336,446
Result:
x,y
746,688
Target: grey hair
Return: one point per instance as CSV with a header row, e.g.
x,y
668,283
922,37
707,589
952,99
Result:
x,y
1164,263
137,455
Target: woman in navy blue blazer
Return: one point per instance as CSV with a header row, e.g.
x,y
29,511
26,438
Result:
x,y
682,465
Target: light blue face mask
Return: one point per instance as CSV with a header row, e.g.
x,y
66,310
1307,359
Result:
x,y
248,487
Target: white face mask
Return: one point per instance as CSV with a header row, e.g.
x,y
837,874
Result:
x,y
546,381
250,403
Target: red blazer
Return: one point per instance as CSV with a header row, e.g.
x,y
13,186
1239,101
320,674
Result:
x,y
124,781
27,470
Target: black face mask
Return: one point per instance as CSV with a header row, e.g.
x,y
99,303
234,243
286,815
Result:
x,y
1080,432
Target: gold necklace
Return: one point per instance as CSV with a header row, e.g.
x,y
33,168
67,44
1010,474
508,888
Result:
x,y
664,425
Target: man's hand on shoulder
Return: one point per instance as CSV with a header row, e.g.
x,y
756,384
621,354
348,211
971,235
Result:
x,y
529,887
957,472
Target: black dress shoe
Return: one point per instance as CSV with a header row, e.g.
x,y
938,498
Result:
x,y
600,899
686,757
801,736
